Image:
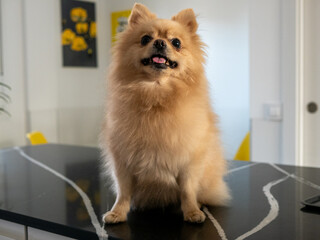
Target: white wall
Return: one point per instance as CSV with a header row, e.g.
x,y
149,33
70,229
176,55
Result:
x,y
64,102
12,130
264,78
272,80
223,26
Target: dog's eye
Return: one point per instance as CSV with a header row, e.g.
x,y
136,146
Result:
x,y
176,43
145,40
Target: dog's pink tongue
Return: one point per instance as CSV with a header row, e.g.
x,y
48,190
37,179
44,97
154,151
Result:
x,y
158,60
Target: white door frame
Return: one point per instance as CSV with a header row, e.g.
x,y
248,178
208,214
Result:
x,y
300,81
293,81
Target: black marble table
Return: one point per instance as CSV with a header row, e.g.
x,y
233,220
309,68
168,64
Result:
x,y
60,189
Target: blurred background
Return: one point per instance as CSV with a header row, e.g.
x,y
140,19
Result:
x,y
262,68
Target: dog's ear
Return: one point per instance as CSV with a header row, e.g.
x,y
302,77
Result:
x,y
188,18
139,14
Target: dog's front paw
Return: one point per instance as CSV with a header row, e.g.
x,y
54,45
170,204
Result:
x,y
194,216
114,217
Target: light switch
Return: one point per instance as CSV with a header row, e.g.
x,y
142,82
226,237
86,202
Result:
x,y
273,111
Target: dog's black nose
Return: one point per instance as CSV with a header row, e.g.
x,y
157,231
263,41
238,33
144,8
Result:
x,y
160,44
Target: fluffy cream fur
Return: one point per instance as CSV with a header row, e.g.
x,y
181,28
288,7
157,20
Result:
x,y
160,132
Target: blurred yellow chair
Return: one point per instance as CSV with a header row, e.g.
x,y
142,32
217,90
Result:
x,y
36,138
243,153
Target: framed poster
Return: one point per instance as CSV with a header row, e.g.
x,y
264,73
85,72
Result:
x,y
78,35
119,21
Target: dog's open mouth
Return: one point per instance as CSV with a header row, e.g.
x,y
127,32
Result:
x,y
159,61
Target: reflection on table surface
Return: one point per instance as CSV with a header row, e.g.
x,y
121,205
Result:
x,y
266,199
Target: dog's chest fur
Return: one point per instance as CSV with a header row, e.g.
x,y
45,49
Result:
x,y
149,143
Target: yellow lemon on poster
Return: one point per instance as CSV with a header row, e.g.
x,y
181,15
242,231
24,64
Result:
x,y
93,29
67,36
79,44
82,28
78,14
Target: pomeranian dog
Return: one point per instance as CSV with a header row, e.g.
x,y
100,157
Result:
x,y
160,138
